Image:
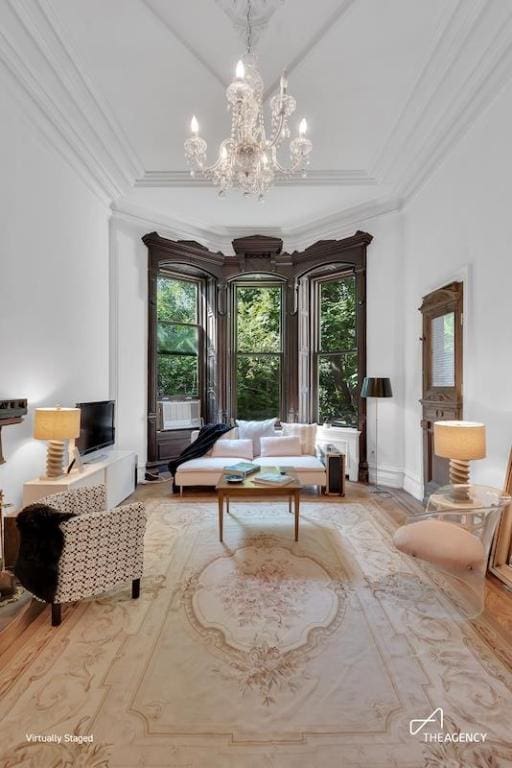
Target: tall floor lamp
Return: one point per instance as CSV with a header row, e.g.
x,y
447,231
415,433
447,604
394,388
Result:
x,y
377,388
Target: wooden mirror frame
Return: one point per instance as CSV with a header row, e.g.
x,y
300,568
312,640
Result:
x,y
502,549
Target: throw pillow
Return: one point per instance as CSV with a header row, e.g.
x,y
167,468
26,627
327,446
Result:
x,y
444,544
306,433
281,446
254,430
231,435
233,449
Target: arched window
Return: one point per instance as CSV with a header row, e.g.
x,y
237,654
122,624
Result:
x,y
257,371
179,337
335,358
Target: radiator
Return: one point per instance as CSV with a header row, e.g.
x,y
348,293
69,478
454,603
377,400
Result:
x,y
174,414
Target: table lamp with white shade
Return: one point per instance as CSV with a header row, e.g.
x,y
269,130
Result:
x,y
56,425
460,442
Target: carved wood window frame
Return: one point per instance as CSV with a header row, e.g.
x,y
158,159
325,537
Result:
x,y
253,255
200,283
316,282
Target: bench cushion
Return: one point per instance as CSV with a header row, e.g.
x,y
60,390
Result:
x,y
442,543
207,470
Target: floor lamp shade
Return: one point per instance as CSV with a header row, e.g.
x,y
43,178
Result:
x,y
376,387
56,425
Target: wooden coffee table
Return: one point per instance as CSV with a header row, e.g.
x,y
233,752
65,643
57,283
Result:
x,y
250,489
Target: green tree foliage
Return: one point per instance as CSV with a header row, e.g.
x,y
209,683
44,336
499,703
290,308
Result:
x,y
177,337
258,331
258,347
176,300
258,386
258,319
337,370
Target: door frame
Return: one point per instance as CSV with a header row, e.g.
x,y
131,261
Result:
x,y
440,403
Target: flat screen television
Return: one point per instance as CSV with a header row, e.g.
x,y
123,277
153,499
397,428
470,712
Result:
x,y
97,426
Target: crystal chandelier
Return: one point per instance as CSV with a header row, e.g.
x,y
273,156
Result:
x,y
248,159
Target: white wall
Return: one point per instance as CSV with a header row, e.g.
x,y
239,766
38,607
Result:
x,y
129,313
385,345
54,310
459,227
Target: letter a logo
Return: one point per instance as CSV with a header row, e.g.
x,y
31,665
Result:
x,y
415,726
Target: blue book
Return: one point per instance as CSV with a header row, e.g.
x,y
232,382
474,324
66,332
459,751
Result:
x,y
243,468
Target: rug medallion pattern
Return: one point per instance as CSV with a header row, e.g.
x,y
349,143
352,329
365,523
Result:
x,y
262,652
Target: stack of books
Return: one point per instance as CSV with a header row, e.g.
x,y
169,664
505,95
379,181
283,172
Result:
x,y
272,478
242,469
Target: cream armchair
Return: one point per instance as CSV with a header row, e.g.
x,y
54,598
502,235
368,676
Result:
x,y
103,549
454,539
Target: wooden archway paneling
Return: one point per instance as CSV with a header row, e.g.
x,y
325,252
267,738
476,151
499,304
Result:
x,y
252,255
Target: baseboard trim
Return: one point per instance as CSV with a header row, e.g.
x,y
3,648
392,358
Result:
x,y
413,485
393,477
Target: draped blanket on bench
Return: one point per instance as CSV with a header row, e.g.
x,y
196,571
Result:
x,y
208,436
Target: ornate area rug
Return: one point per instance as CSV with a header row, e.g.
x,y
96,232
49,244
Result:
x,y
263,652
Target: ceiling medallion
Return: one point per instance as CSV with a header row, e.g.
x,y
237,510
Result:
x,y
261,13
248,160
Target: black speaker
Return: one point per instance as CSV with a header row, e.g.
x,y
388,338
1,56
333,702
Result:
x,y
335,469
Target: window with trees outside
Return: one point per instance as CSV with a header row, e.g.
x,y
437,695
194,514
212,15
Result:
x,y
178,337
336,359
258,347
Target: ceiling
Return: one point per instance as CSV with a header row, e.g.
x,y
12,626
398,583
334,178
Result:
x,y
386,85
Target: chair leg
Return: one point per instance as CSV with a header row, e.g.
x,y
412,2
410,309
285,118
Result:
x,y
56,614
135,588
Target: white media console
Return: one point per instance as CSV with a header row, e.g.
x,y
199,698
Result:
x,y
115,469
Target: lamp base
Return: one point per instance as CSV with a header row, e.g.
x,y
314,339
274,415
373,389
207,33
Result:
x,y
55,459
459,472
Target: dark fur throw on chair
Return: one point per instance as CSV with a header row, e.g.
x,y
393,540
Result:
x,y
41,545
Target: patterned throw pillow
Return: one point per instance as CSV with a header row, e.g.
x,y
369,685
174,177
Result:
x,y
254,430
306,433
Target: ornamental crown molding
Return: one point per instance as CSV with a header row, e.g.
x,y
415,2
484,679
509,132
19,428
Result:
x,y
468,66
43,65
320,178
340,224
220,239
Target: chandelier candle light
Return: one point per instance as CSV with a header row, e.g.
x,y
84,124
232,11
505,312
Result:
x,y
248,159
